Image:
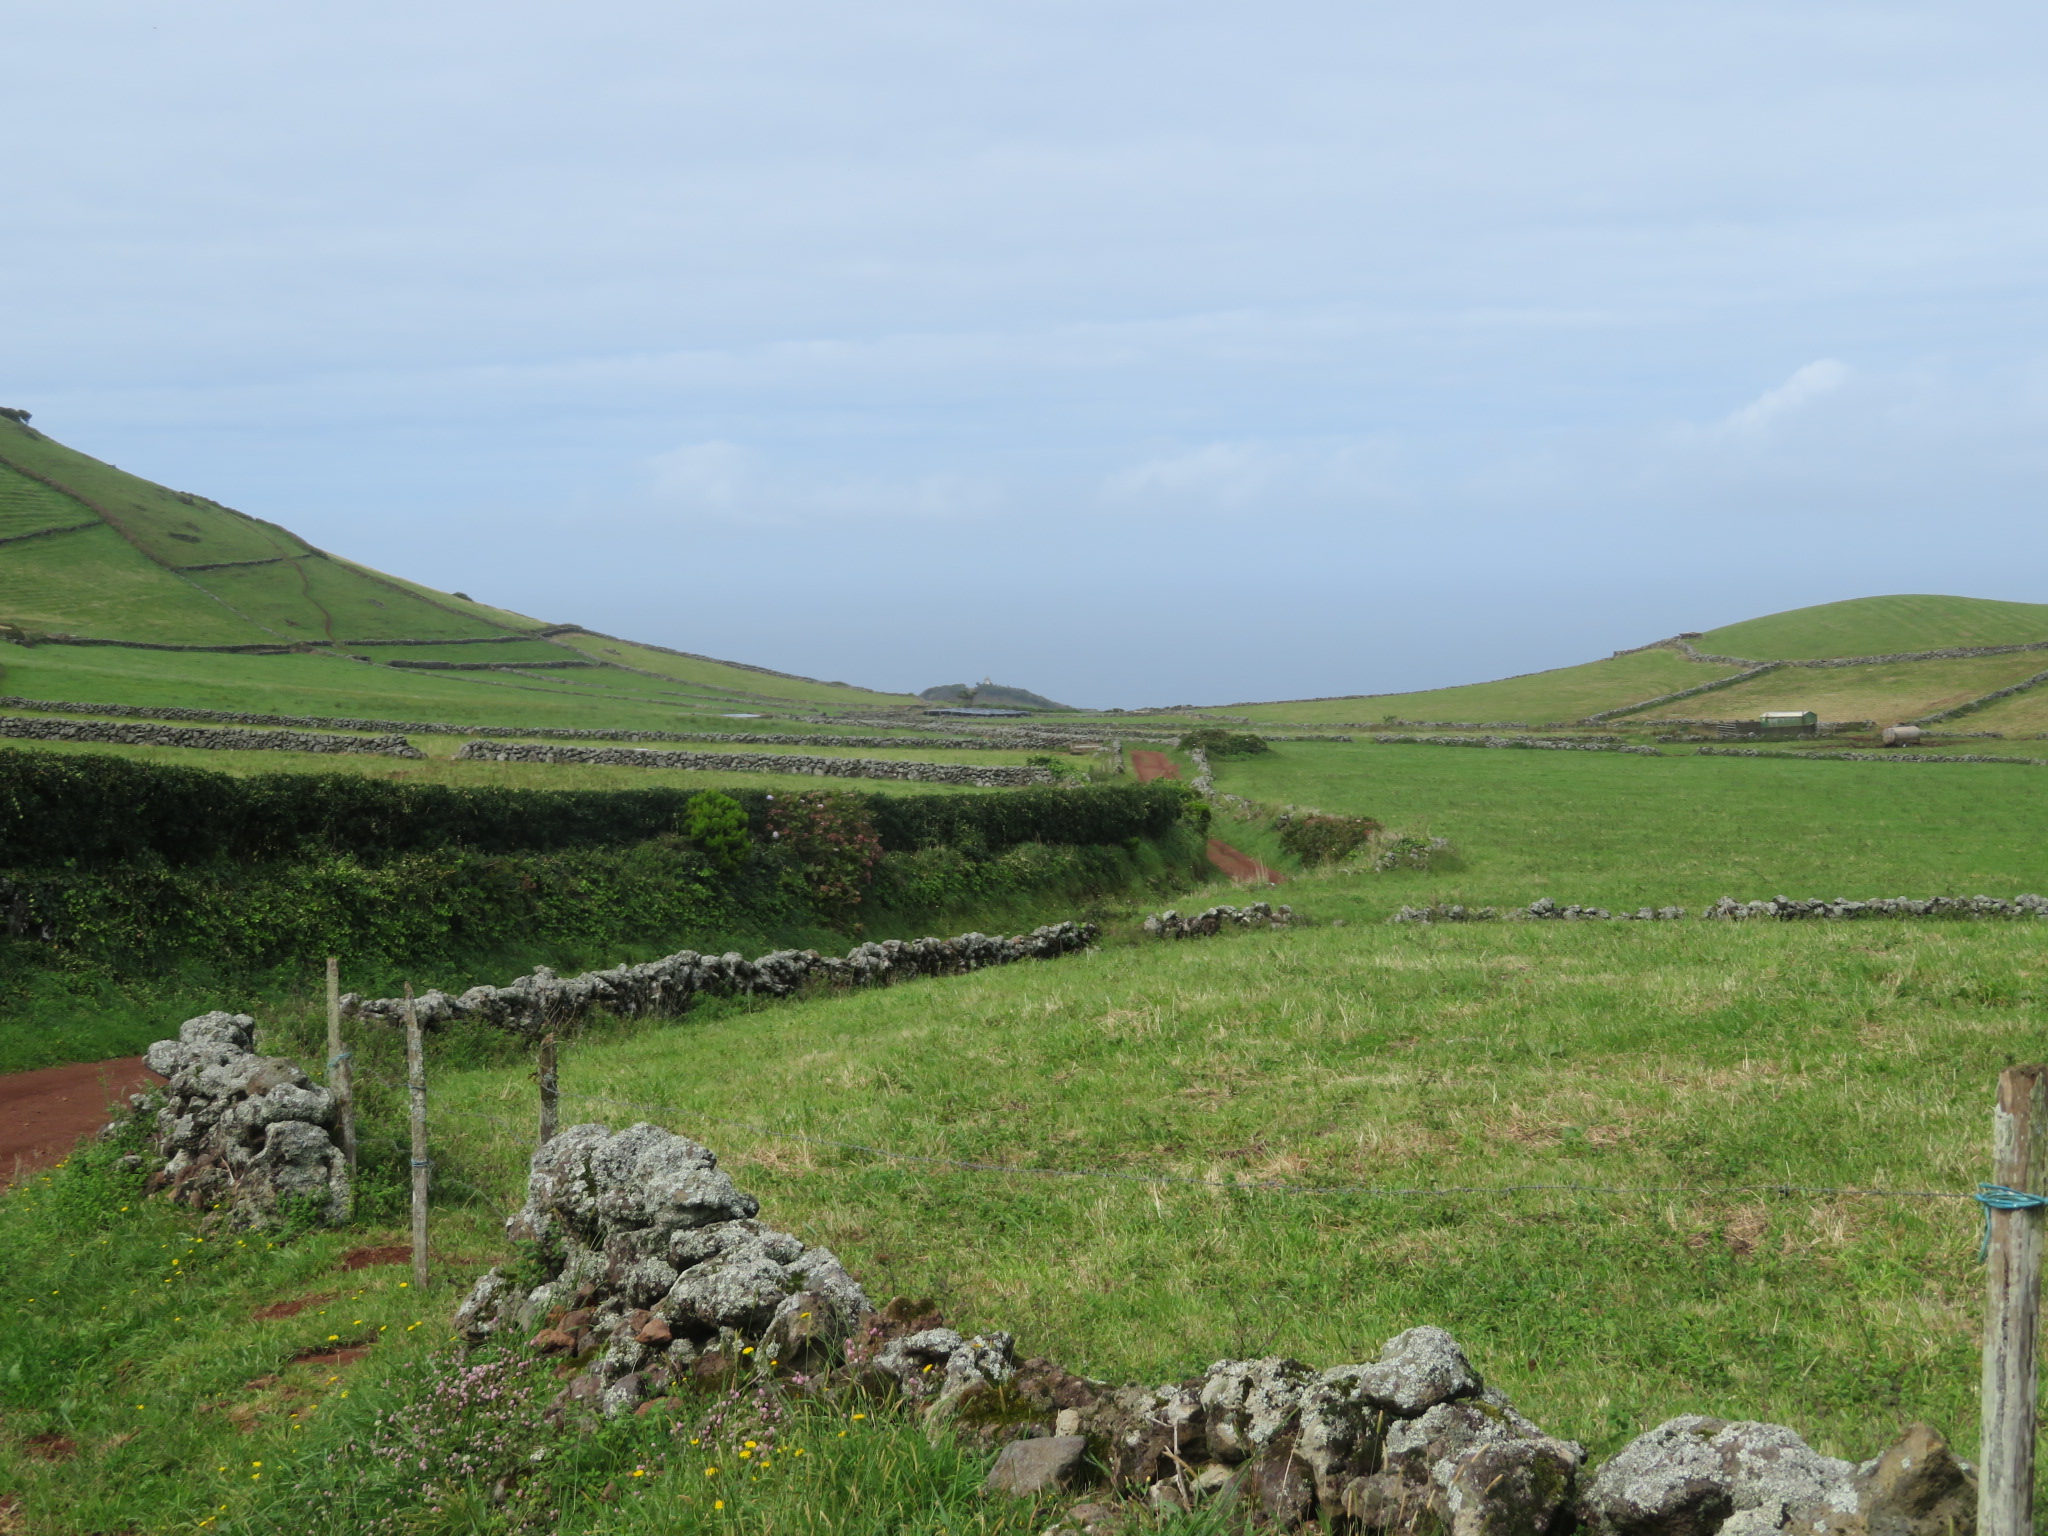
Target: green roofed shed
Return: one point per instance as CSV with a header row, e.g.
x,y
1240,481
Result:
x,y
1791,721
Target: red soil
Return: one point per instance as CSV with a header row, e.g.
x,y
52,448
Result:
x,y
1153,765
363,1258
1240,866
43,1113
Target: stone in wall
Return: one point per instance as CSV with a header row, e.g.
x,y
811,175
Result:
x,y
245,1134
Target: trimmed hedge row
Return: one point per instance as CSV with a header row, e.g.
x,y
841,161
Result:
x,y
58,811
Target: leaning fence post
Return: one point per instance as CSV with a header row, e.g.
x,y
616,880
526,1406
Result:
x,y
416,1083
550,1089
338,1059
2012,1308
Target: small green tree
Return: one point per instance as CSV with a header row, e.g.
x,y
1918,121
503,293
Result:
x,y
717,824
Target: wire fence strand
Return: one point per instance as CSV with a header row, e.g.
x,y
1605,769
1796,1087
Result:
x,y
1274,1187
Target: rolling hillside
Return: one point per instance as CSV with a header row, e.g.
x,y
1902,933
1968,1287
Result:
x,y
1880,690
126,591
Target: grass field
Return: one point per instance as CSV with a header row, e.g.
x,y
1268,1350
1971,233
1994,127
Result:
x,y
1567,693
1618,830
1886,694
1878,626
329,686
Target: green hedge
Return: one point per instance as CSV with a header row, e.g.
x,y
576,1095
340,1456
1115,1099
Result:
x,y
63,811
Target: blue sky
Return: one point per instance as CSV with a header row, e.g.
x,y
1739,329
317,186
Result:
x,y
1134,352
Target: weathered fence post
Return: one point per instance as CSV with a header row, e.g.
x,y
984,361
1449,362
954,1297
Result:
x,y
550,1089
338,1059
416,1083
2012,1309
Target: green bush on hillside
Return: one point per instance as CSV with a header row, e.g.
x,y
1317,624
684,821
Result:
x,y
717,824
1316,838
1222,743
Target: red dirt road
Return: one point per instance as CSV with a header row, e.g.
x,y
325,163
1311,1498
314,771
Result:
x,y
1153,765
43,1113
1239,866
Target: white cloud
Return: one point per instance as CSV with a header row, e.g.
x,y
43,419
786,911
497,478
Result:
x,y
1822,377
729,481
1224,475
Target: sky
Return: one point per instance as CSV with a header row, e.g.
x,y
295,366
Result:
x,y
1134,352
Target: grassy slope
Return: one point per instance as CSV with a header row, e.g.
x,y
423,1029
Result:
x,y
322,685
1566,693
1887,693
157,575
1875,626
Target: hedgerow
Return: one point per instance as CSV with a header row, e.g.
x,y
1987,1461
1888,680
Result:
x,y
59,810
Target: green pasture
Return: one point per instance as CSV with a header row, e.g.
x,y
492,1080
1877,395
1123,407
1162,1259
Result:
x,y
1879,626
1565,693
1619,830
332,686
1886,694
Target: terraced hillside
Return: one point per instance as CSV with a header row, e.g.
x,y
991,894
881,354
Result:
x,y
144,594
1865,659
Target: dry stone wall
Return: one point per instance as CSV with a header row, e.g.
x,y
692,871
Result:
x,y
247,1135
655,1274
108,733
1213,920
531,1004
967,774
1780,908
551,733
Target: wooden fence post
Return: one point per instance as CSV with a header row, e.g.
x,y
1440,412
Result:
x,y
416,1082
338,1060
2012,1310
550,1089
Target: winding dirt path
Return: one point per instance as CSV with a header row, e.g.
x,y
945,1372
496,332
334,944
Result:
x,y
43,1113
1238,865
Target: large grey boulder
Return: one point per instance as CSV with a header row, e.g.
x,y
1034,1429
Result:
x,y
1694,1476
1697,1476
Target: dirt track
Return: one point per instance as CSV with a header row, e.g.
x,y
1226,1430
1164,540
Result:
x,y
1153,765
1239,866
43,1113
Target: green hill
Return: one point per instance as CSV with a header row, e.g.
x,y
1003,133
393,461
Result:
x,y
1876,626
123,591
1866,626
